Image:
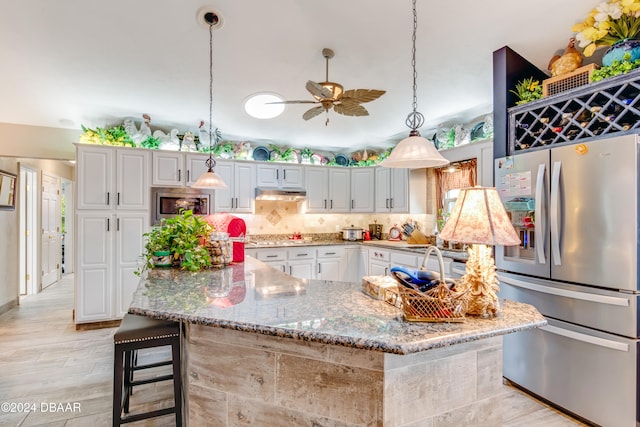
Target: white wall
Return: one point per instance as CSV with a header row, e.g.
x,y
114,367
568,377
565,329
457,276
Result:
x,y
38,142
9,247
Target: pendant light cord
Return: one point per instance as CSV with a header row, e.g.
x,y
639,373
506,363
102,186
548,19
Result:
x,y
414,119
210,162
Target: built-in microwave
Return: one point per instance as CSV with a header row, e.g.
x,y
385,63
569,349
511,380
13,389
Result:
x,y
167,202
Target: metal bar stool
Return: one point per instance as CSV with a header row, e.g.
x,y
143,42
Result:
x,y
138,332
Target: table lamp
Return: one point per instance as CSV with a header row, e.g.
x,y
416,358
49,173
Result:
x,y
479,219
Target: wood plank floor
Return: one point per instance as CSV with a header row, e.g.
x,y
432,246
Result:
x,y
65,376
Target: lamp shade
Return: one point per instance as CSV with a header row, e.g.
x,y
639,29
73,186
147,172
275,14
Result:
x,y
414,152
479,217
209,180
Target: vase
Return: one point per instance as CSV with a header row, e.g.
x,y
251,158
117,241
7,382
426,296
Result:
x,y
618,50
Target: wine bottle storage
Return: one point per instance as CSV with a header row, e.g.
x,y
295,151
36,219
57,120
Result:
x,y
610,106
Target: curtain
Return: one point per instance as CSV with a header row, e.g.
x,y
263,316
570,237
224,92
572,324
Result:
x,y
447,179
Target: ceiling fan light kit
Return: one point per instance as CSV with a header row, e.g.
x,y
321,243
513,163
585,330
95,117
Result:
x,y
332,95
415,151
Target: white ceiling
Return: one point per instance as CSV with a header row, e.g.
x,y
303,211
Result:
x,y
72,62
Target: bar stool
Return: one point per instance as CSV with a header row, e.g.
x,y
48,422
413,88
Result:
x,y
138,332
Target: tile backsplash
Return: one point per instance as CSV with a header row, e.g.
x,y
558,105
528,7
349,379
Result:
x,y
276,217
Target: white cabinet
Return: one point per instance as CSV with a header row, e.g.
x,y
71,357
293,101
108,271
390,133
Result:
x,y
112,178
298,262
177,169
112,215
330,263
328,189
355,267
240,180
279,176
301,262
392,189
362,189
378,262
109,248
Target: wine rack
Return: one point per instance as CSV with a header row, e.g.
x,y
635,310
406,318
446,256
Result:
x,y
597,110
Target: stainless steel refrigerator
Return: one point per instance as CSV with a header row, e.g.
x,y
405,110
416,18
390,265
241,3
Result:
x,y
576,210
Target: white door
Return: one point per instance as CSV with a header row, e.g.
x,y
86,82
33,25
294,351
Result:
x,y
168,169
244,181
129,231
50,238
339,190
362,190
317,188
224,197
132,179
28,231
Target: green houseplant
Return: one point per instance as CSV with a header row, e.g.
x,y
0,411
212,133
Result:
x,y
183,237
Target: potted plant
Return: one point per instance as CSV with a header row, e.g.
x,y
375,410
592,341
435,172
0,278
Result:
x,y
178,241
527,90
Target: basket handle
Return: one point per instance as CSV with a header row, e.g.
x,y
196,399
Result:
x,y
440,260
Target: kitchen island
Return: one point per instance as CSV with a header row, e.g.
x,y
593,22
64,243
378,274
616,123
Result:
x,y
264,348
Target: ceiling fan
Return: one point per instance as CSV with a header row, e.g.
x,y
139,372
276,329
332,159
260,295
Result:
x,y
330,94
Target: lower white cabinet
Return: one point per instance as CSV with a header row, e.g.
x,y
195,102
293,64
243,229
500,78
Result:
x,y
109,247
380,261
307,262
330,263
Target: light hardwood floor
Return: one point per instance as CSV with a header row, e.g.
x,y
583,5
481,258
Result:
x,y
44,361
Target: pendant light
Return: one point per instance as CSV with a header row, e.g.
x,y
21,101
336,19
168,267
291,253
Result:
x,y
415,151
209,179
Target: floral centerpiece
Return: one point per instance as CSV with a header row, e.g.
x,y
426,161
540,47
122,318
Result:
x,y
610,22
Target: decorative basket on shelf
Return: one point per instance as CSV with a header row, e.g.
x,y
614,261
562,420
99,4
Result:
x,y
438,304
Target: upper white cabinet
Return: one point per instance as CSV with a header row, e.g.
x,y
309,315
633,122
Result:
x,y
362,189
177,169
240,178
392,189
328,189
110,178
279,175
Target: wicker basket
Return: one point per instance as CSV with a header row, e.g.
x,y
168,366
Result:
x,y
439,304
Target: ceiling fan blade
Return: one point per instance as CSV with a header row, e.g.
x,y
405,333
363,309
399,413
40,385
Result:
x,y
311,113
293,102
316,89
350,109
362,95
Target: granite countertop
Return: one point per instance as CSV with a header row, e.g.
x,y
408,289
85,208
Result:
x,y
255,297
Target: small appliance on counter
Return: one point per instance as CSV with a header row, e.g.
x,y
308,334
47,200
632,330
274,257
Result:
x,y
235,227
352,233
375,231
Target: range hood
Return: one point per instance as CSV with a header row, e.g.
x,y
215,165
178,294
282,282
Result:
x,y
289,194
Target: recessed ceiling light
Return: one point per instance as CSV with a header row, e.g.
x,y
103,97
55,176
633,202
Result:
x,y
258,105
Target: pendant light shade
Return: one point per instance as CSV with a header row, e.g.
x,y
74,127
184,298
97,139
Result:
x,y
209,179
415,151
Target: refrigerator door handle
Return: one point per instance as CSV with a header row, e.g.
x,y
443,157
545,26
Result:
x,y
589,339
541,220
584,296
553,210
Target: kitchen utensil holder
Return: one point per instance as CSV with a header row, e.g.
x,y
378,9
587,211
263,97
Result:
x,y
439,304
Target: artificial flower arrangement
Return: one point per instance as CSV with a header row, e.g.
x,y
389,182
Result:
x,y
610,22
527,90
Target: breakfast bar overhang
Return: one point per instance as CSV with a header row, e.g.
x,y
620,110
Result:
x,y
263,348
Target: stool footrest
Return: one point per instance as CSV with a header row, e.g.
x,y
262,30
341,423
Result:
x,y
146,415
151,380
152,365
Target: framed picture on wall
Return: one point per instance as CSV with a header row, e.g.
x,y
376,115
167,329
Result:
x,y
7,190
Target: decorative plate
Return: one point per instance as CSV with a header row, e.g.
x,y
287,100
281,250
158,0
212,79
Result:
x,y
342,160
261,154
478,131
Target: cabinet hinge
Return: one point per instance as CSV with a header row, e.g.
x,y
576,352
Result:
x,y
27,232
27,277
